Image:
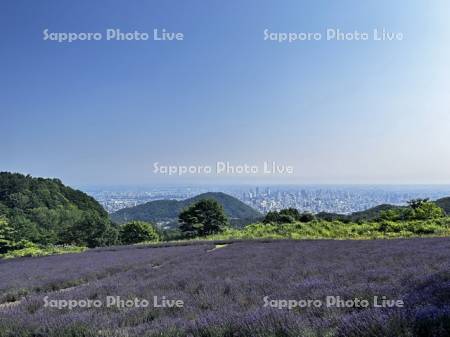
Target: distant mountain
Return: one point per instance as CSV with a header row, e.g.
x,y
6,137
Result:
x,y
167,211
371,213
375,212
366,215
444,203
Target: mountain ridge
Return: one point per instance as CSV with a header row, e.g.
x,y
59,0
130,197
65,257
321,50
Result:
x,y
376,211
444,203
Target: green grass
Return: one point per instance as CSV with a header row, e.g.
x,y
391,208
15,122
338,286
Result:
x,y
35,250
319,229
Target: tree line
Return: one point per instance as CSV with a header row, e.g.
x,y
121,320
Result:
x,y
45,212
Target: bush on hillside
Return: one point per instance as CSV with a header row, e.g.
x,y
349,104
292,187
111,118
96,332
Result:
x,y
288,215
138,231
418,209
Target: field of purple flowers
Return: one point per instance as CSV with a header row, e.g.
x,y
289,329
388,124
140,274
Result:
x,y
223,290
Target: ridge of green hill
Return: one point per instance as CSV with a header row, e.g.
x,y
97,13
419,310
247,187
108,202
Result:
x,y
45,211
366,215
444,203
374,213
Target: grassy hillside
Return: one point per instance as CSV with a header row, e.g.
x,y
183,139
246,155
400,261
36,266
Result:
x,y
321,229
168,210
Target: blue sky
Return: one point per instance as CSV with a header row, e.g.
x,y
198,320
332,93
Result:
x,y
102,112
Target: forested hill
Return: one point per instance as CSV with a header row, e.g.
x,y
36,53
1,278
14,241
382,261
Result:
x,y
46,211
444,203
168,210
376,212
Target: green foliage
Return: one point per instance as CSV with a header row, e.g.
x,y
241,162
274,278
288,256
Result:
x,y
92,230
138,231
288,215
205,217
371,214
272,217
428,210
322,229
46,212
306,217
172,234
6,236
29,249
417,203
418,209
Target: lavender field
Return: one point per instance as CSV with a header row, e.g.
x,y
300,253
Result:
x,y
224,289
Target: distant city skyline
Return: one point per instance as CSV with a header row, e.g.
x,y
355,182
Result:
x,y
312,198
103,112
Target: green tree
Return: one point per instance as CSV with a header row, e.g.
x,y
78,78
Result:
x,y
272,217
290,212
6,236
306,217
287,215
417,203
91,230
138,231
418,209
205,217
396,214
428,210
44,211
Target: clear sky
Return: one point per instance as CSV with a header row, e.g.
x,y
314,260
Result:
x,y
102,112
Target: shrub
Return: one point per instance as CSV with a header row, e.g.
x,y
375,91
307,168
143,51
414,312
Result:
x,y
418,209
287,215
306,217
272,217
138,231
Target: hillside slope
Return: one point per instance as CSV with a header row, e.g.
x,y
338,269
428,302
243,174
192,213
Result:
x,y
372,213
167,211
444,203
376,212
48,212
366,215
